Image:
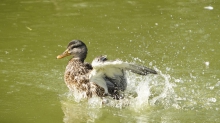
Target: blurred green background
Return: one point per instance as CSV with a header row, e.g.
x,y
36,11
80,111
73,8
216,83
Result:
x,y
177,37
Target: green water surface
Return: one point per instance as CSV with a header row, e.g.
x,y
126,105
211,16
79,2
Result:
x,y
178,37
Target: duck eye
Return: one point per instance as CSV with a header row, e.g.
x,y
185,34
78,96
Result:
x,y
73,47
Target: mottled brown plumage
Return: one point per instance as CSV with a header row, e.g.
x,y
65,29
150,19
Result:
x,y
77,78
77,72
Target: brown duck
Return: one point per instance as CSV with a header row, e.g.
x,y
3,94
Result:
x,y
100,79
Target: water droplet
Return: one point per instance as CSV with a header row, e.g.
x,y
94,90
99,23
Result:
x,y
209,8
207,63
212,99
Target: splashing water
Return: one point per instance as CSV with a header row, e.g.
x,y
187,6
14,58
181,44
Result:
x,y
151,90
142,91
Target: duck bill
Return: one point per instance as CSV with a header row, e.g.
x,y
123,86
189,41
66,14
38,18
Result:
x,y
64,54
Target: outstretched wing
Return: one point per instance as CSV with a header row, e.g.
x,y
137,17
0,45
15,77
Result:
x,y
138,69
114,71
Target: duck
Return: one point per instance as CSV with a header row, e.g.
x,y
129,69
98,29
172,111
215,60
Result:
x,y
102,77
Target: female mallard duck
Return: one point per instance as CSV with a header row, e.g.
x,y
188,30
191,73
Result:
x,y
101,78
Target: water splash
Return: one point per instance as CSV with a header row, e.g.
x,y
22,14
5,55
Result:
x,y
153,90
141,92
146,96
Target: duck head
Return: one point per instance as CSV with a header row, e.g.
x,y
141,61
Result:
x,y
77,49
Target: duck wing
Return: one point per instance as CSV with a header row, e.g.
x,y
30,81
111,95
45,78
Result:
x,y
113,72
139,69
114,65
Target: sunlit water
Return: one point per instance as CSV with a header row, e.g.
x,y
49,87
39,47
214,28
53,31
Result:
x,y
179,39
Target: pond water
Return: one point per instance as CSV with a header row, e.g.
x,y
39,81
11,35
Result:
x,y
179,39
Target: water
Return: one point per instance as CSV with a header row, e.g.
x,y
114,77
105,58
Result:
x,y
177,38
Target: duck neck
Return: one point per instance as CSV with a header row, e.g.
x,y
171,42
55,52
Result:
x,y
77,59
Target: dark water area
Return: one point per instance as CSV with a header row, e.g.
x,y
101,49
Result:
x,y
177,38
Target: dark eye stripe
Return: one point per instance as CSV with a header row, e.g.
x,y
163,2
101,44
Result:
x,y
75,46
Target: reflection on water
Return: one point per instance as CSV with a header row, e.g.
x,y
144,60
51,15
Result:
x,y
79,112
